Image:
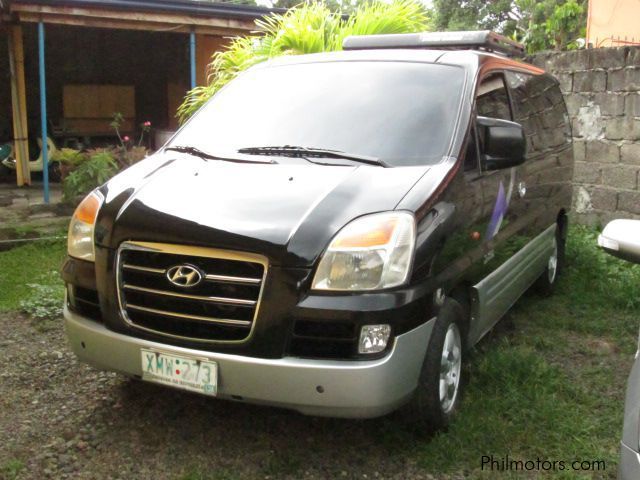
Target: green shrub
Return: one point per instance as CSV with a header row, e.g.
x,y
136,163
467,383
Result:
x,y
596,276
129,152
45,298
69,156
36,262
96,170
11,469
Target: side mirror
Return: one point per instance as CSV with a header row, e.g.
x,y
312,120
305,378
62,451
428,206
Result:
x,y
621,238
502,143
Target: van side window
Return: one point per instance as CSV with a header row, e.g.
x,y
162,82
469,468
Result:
x,y
540,109
492,99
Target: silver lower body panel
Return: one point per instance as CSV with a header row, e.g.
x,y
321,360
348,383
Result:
x,y
350,389
499,290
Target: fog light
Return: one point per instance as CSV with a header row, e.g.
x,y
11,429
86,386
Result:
x,y
374,338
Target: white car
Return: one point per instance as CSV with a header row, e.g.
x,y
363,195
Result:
x,y
621,238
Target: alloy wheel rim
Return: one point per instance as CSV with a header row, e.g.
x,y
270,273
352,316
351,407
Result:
x,y
450,367
552,265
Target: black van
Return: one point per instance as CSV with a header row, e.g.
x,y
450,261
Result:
x,y
331,232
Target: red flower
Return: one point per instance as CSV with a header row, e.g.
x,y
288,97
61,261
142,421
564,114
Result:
x,y
147,123
125,138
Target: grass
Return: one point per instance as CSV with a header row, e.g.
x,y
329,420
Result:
x,y
548,383
11,469
21,267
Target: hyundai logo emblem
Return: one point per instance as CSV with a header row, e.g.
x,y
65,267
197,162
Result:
x,y
184,275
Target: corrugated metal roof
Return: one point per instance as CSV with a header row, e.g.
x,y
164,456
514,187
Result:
x,y
219,8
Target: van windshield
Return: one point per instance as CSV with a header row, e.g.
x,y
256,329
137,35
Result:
x,y
398,112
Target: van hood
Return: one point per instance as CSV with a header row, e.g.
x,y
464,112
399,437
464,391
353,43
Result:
x,y
288,213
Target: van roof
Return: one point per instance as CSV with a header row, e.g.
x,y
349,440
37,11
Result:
x,y
469,59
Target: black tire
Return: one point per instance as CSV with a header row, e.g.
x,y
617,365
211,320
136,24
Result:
x,y
428,410
545,284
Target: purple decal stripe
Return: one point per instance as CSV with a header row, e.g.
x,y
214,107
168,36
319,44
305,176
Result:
x,y
499,211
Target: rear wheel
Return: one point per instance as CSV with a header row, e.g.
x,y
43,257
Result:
x,y
546,283
439,388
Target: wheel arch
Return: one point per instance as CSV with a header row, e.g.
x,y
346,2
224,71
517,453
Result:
x,y
462,293
562,220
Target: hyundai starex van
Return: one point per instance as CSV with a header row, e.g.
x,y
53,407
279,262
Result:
x,y
330,233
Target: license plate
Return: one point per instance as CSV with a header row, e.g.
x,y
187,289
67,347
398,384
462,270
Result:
x,y
187,373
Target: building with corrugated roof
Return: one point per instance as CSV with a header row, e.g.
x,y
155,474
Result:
x,y
74,63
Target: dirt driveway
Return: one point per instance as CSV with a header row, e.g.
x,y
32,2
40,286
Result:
x,y
62,419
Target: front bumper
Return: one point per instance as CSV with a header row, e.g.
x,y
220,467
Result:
x,y
351,389
629,467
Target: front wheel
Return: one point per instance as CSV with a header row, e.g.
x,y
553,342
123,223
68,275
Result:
x,y
439,388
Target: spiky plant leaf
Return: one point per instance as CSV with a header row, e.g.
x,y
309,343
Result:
x,y
308,28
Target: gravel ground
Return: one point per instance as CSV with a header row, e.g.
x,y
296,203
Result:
x,y
63,419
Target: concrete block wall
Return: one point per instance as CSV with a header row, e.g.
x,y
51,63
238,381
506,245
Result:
x,y
602,92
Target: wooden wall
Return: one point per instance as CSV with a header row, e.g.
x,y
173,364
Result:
x,y
206,46
156,64
150,61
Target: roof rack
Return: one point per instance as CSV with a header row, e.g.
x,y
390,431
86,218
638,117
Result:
x,y
480,40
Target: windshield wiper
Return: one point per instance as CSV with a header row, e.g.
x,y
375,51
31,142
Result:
x,y
196,152
304,152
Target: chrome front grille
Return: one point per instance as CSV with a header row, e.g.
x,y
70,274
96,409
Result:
x,y
221,307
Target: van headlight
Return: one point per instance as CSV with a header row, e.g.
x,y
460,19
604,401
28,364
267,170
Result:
x,y
80,239
371,252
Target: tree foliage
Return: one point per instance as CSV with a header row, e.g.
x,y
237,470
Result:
x,y
539,24
308,28
338,6
564,23
471,14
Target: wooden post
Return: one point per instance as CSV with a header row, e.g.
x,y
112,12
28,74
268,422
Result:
x,y
19,106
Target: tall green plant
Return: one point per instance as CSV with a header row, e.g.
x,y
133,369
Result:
x,y
565,24
96,170
308,28
539,24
